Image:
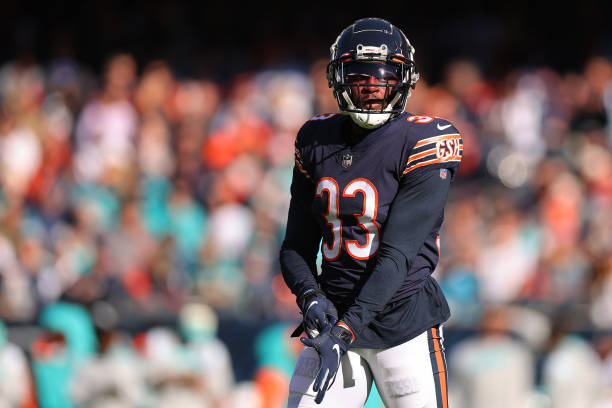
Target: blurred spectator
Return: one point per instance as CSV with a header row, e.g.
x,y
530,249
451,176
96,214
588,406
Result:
x,y
52,370
503,281
493,368
240,128
114,378
16,387
67,343
572,373
211,360
154,91
106,128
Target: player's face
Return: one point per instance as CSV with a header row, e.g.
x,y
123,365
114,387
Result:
x,y
370,80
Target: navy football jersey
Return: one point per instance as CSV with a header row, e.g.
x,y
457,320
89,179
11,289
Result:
x,y
348,186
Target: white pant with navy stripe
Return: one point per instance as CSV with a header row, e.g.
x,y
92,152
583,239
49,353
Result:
x,y
410,375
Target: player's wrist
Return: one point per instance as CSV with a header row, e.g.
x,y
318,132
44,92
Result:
x,y
305,297
344,332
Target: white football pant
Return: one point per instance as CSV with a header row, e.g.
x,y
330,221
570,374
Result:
x,y
410,375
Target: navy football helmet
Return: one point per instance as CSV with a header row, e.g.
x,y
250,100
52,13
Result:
x,y
372,71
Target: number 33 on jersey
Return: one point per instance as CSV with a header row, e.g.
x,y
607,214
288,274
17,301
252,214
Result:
x,y
365,220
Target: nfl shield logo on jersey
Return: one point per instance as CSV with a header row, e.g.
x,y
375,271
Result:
x,y
443,173
347,160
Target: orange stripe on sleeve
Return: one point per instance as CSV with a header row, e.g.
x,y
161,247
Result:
x,y
437,139
300,168
418,156
434,161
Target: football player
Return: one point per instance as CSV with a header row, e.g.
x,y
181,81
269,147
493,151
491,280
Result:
x,y
369,189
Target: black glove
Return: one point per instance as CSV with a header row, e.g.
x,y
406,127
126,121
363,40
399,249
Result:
x,y
320,314
331,346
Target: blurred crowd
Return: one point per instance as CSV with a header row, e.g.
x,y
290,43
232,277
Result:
x,y
138,209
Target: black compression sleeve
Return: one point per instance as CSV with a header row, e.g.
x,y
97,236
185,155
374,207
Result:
x,y
416,208
298,252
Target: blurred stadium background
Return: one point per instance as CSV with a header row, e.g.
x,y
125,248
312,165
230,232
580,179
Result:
x,y
145,159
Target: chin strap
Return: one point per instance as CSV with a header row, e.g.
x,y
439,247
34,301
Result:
x,y
393,102
348,100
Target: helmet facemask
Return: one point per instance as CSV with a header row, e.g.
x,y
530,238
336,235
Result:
x,y
370,91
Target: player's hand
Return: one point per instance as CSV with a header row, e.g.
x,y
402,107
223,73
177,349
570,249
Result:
x,y
331,346
320,314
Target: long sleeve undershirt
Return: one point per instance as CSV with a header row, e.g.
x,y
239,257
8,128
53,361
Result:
x,y
298,253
